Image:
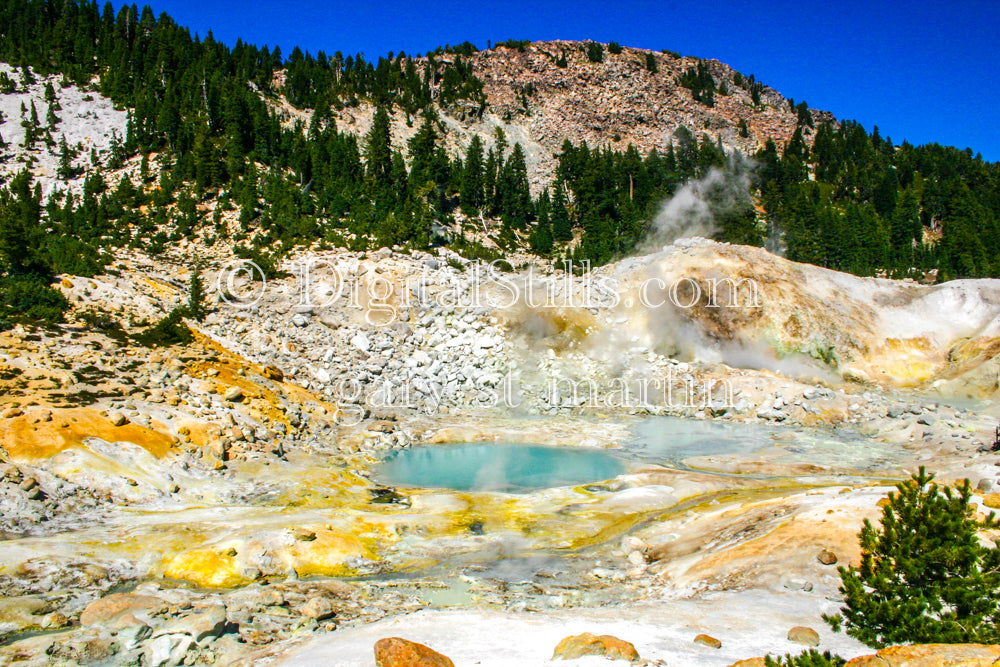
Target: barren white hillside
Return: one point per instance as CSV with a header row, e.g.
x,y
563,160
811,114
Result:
x,y
87,119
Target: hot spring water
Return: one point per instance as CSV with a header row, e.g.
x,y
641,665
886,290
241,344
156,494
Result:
x,y
508,467
498,466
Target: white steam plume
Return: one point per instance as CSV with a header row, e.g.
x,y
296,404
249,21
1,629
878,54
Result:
x,y
694,209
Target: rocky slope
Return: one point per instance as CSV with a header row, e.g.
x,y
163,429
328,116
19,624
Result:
x,y
220,502
87,120
613,103
246,463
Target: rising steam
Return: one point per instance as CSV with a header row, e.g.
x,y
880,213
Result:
x,y
696,208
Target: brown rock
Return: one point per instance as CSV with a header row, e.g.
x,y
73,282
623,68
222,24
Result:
x,y
931,655
381,426
109,608
612,648
827,557
303,534
992,500
200,626
750,662
803,635
255,637
126,620
397,652
273,373
708,640
319,608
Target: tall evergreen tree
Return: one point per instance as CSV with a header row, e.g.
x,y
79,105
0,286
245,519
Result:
x,y
378,150
472,177
562,229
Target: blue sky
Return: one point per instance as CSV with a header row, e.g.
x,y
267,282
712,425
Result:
x,y
921,71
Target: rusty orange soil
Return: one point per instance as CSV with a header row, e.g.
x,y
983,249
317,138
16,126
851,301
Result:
x,y
28,438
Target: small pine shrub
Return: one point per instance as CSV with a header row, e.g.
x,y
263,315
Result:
x,y
925,577
169,331
595,52
30,299
810,658
651,63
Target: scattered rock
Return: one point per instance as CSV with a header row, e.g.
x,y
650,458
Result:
x,y
397,652
167,650
234,394
199,626
130,631
612,648
107,609
827,557
387,496
985,485
318,607
708,640
927,420
992,500
361,342
274,373
117,419
303,534
803,635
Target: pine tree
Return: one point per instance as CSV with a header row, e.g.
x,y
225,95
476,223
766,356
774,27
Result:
x,y
924,575
50,94
490,181
906,226
21,243
541,236
378,150
472,177
51,119
422,149
513,190
196,296
562,229
27,78
66,169
31,126
595,52
651,63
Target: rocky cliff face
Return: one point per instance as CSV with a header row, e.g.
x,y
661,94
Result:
x,y
534,101
613,103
